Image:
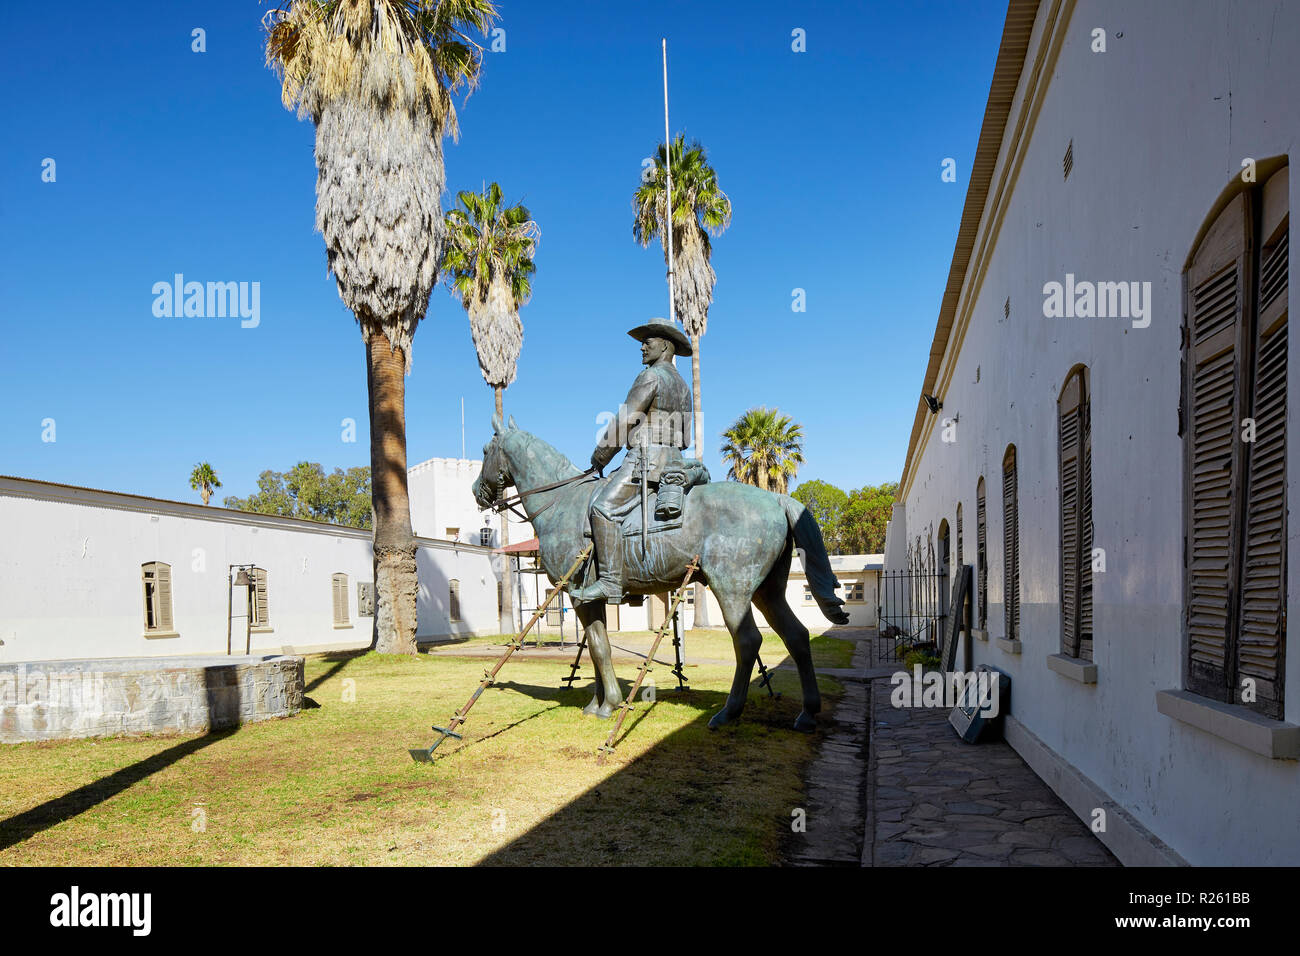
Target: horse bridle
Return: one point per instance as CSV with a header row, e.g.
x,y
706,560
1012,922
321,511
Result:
x,y
502,502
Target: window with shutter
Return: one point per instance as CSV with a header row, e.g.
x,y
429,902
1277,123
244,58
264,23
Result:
x,y
1010,546
257,600
340,593
1234,421
453,601
959,557
156,578
1075,455
981,555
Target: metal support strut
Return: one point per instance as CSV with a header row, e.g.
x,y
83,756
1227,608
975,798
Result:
x,y
489,677
627,705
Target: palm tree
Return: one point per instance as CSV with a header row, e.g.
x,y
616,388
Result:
x,y
699,207
375,77
489,264
203,479
763,448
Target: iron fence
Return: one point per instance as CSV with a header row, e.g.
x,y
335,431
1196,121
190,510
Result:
x,y
913,613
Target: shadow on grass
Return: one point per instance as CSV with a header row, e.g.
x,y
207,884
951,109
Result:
x,y
340,660
27,824
698,797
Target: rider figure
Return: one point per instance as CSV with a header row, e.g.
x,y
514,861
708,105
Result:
x,y
652,423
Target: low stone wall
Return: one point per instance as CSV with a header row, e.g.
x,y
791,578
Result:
x,y
57,700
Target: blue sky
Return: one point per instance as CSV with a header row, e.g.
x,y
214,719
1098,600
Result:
x,y
170,161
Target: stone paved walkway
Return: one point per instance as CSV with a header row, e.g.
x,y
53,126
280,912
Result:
x,y
937,801
906,791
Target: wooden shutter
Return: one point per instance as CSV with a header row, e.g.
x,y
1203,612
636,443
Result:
x,y
1214,297
259,592
1010,546
981,554
340,582
164,587
1261,632
1075,448
1069,446
959,557
453,609
1085,529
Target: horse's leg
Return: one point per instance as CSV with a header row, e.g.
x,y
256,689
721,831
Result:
x,y
770,599
746,639
608,694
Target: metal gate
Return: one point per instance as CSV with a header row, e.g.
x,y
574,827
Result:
x,y
913,614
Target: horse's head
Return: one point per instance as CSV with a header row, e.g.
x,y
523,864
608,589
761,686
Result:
x,y
496,475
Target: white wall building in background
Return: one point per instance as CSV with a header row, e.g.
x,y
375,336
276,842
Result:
x,y
93,574
1119,143
443,505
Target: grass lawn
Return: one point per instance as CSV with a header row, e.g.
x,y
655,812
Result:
x,y
335,785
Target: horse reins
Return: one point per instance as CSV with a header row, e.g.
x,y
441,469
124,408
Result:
x,y
502,502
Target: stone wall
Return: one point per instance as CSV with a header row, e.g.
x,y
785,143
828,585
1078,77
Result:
x,y
57,700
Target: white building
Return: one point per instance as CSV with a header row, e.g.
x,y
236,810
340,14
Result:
x,y
1101,469
92,574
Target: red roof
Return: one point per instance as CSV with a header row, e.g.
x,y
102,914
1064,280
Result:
x,y
530,546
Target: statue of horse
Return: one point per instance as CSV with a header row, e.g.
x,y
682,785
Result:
x,y
744,536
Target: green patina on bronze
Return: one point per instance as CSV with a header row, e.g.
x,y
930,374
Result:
x,y
745,537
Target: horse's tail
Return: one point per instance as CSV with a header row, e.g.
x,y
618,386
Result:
x,y
816,565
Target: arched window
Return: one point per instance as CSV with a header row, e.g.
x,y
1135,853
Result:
x,y
157,581
981,555
1010,546
1075,456
1234,433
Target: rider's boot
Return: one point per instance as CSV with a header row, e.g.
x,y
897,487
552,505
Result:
x,y
605,535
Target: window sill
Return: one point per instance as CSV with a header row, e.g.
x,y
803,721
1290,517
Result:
x,y
1010,647
151,635
1075,668
261,630
979,635
1234,723
342,627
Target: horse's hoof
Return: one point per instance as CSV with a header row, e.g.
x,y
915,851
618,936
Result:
x,y
805,724
592,709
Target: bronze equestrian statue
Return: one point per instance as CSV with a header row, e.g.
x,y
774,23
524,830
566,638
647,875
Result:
x,y
745,536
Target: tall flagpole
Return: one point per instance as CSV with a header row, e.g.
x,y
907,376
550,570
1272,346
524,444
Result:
x,y
668,199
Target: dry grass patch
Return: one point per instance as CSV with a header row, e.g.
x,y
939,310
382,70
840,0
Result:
x,y
335,785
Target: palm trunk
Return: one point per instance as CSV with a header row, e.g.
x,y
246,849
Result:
x,y
697,416
396,582
507,618
206,495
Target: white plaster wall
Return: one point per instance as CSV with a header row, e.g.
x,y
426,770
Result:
x,y
70,577
1160,123
441,498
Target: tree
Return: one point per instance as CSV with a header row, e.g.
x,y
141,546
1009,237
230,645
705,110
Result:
x,y
827,503
763,448
203,479
489,264
375,77
865,518
305,491
698,208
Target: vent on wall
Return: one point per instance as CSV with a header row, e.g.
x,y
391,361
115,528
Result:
x,y
1006,308
1068,162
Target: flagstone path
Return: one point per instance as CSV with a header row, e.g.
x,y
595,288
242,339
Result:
x,y
906,791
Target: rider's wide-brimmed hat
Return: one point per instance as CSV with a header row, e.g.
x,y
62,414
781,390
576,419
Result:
x,y
663,329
